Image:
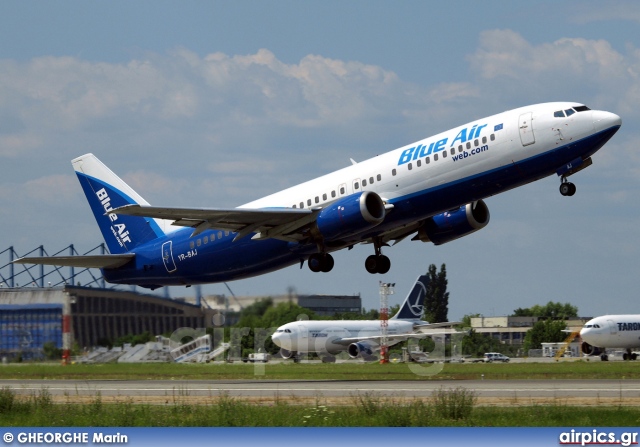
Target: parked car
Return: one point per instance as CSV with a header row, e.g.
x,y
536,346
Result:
x,y
257,357
490,357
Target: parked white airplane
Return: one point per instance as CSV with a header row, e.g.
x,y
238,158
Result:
x,y
360,338
611,331
431,189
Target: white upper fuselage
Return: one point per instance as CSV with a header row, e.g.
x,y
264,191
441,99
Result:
x,y
319,335
612,331
409,187
505,148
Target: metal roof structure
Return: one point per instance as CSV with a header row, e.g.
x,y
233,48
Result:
x,y
21,276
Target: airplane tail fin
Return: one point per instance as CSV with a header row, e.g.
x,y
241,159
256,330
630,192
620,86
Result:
x,y
106,191
413,306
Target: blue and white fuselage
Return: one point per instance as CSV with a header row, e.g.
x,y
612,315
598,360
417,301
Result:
x,y
431,190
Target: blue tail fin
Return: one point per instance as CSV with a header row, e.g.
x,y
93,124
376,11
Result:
x,y
106,191
413,306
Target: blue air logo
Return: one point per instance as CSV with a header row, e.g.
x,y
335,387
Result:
x,y
465,134
119,230
628,326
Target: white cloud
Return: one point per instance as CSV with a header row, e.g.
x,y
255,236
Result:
x,y
569,68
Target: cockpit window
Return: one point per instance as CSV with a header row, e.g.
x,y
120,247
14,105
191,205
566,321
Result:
x,y
581,108
569,112
558,114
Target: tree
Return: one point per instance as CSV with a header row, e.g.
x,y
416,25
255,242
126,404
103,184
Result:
x,y
549,310
544,331
437,300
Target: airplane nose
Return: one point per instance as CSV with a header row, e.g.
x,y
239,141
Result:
x,y
605,120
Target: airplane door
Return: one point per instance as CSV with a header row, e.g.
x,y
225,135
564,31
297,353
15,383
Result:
x,y
167,256
342,189
525,124
613,327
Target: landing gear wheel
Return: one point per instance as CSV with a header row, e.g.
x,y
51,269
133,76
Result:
x,y
371,264
567,189
326,264
384,264
320,262
315,262
604,357
377,264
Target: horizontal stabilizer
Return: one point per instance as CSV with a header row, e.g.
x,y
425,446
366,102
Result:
x,y
89,261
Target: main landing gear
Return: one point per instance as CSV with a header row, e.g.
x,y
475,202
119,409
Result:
x,y
320,262
567,188
377,263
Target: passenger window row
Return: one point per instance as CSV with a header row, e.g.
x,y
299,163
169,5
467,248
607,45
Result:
x,y
342,190
205,240
357,185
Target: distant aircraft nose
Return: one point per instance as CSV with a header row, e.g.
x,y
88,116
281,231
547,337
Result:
x,y
605,120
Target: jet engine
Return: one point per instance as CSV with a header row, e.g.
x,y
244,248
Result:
x,y
361,349
590,350
286,354
351,215
450,225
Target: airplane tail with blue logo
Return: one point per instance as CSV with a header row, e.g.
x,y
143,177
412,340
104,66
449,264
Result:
x,y
105,191
413,306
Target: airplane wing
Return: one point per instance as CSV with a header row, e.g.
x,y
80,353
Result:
x,y
279,223
87,261
393,339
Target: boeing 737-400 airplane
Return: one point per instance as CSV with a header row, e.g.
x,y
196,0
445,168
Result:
x,y
431,190
611,331
360,338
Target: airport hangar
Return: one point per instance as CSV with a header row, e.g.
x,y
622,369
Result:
x,y
86,316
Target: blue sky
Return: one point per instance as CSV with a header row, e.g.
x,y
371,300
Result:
x,y
214,104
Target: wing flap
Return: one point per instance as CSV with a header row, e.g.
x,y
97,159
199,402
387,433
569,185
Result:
x,y
267,223
88,261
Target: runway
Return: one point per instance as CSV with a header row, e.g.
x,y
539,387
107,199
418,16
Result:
x,y
488,392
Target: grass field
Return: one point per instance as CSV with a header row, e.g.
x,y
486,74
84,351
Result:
x,y
446,407
327,371
454,407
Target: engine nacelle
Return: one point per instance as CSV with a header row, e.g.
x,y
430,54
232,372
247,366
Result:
x,y
286,354
351,215
451,225
361,349
590,350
